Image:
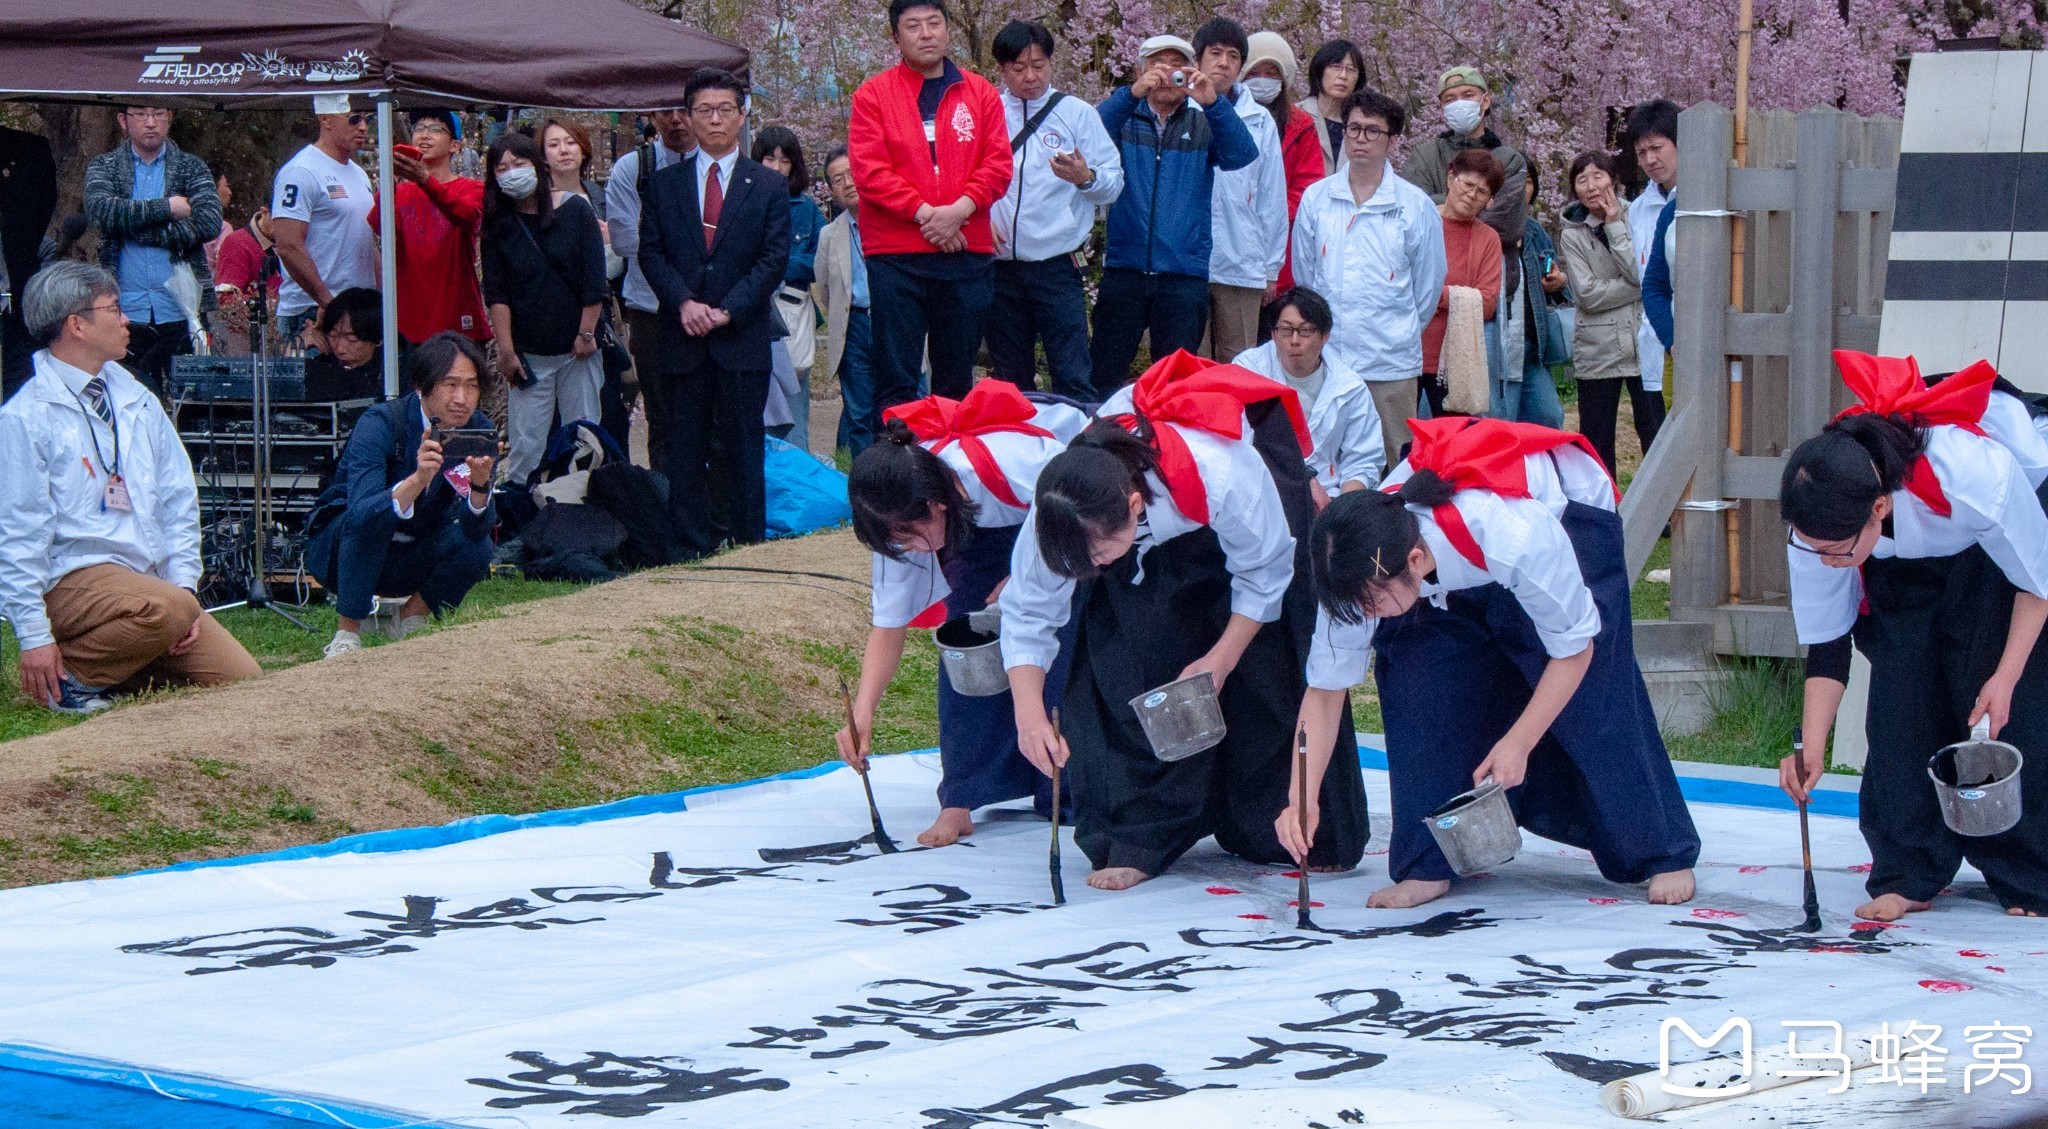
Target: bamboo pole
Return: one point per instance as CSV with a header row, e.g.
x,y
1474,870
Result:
x,y
1745,31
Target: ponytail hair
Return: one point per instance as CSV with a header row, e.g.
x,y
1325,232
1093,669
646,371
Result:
x,y
1083,494
1833,480
1358,547
894,484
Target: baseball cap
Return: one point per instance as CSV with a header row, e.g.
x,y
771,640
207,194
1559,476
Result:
x,y
1461,76
1159,43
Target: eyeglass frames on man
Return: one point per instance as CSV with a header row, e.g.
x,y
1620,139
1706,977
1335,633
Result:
x,y
1356,132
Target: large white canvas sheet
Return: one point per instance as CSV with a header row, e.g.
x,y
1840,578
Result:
x,y
750,962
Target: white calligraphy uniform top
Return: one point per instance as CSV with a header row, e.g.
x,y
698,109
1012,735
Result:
x,y
905,589
1342,420
1642,232
1991,504
1527,552
1244,510
2007,420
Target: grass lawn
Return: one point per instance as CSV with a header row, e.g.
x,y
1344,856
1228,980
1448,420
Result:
x,y
274,643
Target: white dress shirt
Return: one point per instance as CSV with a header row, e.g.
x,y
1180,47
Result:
x,y
1041,216
1381,265
1991,504
1341,419
622,220
53,520
1244,510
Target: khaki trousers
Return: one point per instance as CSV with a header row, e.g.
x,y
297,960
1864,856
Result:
x,y
1395,401
1233,320
115,628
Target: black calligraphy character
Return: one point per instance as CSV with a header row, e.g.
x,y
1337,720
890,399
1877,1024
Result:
x,y
617,1085
1138,1082
662,876
1161,975
1271,1050
946,907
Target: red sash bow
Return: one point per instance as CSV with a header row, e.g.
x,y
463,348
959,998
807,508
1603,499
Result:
x,y
1188,391
1891,386
1473,453
990,407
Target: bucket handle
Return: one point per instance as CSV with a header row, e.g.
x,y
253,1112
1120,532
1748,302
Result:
x,y
1982,730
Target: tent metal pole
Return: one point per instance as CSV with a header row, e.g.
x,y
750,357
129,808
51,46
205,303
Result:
x,y
387,220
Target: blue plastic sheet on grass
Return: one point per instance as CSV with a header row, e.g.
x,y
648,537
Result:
x,y
804,495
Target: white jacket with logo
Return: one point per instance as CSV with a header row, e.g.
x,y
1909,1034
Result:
x,y
1380,265
1248,207
1041,216
51,519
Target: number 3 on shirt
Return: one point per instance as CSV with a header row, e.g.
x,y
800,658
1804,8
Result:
x,y
291,196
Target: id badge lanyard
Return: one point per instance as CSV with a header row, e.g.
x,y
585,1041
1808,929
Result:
x,y
116,491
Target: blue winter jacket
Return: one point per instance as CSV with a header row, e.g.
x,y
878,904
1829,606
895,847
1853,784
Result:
x,y
1657,287
1160,224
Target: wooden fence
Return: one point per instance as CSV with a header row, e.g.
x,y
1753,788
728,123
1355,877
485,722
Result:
x,y
1817,197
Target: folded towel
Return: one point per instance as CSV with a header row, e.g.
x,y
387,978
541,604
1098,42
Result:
x,y
1463,364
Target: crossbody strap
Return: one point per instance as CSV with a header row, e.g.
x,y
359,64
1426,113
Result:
x,y
1038,119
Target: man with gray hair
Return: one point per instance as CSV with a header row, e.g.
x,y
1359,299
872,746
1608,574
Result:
x,y
99,514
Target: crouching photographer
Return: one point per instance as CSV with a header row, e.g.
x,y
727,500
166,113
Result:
x,y
409,511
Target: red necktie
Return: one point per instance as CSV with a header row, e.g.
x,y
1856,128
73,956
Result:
x,y
714,203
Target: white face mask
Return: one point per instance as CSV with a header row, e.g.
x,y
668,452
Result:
x,y
1263,89
1463,115
519,183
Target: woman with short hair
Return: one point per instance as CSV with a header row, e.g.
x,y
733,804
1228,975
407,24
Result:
x,y
1471,252
1600,262
1334,71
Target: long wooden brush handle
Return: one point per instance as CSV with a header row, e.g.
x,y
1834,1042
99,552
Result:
x,y
852,727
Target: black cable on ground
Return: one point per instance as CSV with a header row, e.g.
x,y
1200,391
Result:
x,y
779,572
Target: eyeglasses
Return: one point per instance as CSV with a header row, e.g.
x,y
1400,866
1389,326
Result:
x,y
1792,539
1295,332
713,113
1344,67
113,309
1366,133
148,115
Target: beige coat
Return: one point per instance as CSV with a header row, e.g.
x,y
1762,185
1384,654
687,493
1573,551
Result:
x,y
1333,158
1607,293
832,290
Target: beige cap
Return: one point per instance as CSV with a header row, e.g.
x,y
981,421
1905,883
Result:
x,y
1269,46
1159,43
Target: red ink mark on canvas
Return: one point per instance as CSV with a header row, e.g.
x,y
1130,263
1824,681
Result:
x,y
1945,986
1994,968
1875,926
1254,917
1311,905
1831,949
1291,874
1860,868
1224,890
1715,914
1975,954
1752,869
1604,901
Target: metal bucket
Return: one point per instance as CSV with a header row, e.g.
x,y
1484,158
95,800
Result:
x,y
971,650
1978,781
1181,718
1476,829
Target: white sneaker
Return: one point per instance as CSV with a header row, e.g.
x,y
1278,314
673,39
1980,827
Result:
x,y
407,625
342,643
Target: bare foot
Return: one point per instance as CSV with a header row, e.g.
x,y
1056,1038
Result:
x,y
1407,894
1671,888
1890,907
2021,911
1117,877
953,825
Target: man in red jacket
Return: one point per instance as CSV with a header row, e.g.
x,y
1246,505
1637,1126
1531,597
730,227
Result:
x,y
438,217
931,153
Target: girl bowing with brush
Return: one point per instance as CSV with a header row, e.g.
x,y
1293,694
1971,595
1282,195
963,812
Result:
x,y
938,501
1490,579
1173,516
1916,530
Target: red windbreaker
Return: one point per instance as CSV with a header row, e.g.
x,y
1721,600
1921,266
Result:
x,y
892,164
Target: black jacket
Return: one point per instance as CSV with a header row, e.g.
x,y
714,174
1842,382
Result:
x,y
739,274
546,276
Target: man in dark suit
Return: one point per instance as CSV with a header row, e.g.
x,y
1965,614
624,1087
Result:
x,y
28,198
400,518
714,241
